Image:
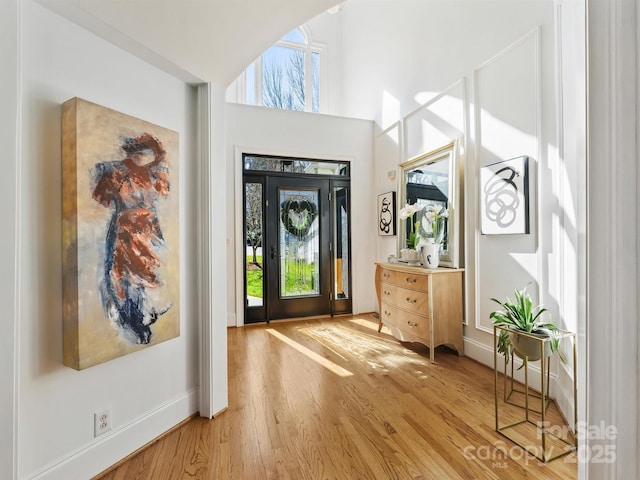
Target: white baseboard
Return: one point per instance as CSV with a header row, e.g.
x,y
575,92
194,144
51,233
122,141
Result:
x,y
115,445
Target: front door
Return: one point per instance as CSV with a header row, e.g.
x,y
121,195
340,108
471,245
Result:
x,y
297,245
297,241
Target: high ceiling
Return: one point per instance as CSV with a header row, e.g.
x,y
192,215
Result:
x,y
196,40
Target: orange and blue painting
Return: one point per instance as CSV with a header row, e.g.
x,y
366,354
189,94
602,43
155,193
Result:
x,y
120,234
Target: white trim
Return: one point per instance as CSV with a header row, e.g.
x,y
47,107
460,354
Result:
x,y
11,136
239,234
90,460
205,249
612,226
534,182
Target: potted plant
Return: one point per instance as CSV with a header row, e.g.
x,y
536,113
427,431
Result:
x,y
521,316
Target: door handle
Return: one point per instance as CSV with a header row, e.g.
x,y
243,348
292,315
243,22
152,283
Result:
x,y
274,254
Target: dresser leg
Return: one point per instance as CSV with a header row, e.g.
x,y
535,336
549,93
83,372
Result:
x,y
379,326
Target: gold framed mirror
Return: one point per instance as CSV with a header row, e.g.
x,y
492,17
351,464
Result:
x,y
433,178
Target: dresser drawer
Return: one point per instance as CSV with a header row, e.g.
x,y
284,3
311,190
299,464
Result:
x,y
412,301
388,293
389,314
405,298
415,325
405,280
410,323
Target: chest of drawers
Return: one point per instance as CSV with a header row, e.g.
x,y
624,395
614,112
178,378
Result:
x,y
421,305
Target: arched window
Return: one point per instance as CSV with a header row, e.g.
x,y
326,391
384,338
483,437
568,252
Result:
x,y
286,76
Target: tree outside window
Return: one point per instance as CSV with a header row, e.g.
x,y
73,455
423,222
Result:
x,y
286,76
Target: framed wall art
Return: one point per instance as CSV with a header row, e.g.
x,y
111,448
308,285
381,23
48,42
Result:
x,y
120,234
504,197
386,213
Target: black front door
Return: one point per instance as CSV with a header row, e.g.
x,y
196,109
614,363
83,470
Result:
x,y
296,225
297,249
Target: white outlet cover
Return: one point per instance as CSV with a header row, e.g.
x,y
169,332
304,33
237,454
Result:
x,y
101,422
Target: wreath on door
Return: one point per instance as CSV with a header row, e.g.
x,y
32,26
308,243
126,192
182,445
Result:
x,y
298,216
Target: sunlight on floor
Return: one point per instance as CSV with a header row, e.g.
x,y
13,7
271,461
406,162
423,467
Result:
x,y
328,364
378,350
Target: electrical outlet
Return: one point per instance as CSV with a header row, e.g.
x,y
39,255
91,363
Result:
x,y
101,422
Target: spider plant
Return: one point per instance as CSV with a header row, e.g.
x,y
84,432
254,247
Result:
x,y
522,316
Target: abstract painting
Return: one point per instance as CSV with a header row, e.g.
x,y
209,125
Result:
x,y
386,213
504,197
120,208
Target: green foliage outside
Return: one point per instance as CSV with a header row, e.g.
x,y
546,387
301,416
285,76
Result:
x,y
299,278
254,278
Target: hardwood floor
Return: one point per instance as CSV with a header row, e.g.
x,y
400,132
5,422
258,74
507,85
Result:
x,y
335,399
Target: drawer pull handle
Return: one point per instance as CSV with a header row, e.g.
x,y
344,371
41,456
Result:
x,y
411,280
387,293
411,324
412,300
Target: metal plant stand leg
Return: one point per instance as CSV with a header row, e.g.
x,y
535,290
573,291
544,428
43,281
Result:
x,y
540,429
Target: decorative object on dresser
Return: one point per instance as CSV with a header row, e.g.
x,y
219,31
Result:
x,y
431,254
421,305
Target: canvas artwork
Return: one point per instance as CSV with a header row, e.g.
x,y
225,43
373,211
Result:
x,y
120,207
504,197
386,213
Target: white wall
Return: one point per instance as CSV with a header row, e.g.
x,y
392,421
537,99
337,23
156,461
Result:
x,y
503,53
148,391
263,130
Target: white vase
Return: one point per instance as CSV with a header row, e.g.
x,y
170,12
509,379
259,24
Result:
x,y
431,255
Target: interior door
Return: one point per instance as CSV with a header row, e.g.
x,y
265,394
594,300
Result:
x,y
297,247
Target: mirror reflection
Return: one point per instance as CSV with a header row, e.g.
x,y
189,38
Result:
x,y
432,180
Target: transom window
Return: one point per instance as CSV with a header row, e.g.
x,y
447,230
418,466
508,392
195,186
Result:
x,y
286,76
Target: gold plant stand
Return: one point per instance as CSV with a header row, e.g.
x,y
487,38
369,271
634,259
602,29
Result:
x,y
543,433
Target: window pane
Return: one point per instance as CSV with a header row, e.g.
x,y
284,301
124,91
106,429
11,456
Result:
x,y
341,241
250,86
299,244
253,237
283,78
294,165
315,72
295,36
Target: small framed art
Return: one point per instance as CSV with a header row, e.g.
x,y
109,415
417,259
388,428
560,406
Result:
x,y
386,213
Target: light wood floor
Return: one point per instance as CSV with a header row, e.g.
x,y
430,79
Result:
x,y
334,399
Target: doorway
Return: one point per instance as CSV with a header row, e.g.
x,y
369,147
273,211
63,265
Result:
x,y
296,235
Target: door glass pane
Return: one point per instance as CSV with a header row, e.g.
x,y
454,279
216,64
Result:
x,y
341,242
253,241
294,165
299,244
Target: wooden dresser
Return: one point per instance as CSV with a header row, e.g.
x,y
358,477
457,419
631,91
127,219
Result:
x,y
421,305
